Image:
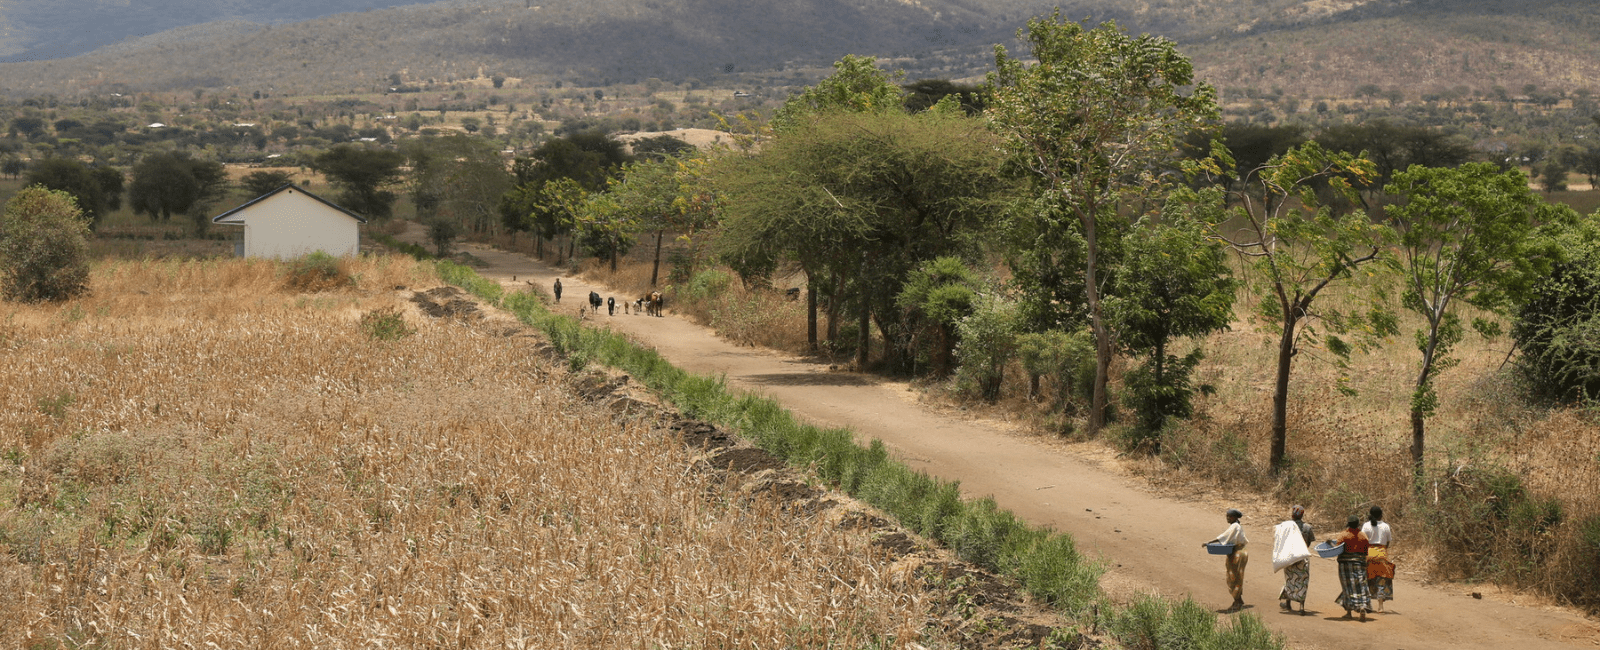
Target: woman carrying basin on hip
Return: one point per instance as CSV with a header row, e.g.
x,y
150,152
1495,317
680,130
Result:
x,y
1234,536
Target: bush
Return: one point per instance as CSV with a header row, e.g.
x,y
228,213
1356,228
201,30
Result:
x,y
44,248
387,324
1488,526
1558,327
988,342
318,271
1068,359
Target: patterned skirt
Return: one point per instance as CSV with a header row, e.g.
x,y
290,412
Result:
x,y
1353,583
1380,573
1296,582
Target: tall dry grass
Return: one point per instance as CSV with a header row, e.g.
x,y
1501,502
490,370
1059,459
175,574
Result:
x,y
194,456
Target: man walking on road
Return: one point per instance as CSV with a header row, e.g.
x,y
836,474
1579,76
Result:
x,y
558,291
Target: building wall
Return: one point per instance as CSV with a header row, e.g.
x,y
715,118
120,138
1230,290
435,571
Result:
x,y
291,224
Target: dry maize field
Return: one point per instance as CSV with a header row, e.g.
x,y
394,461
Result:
x,y
195,456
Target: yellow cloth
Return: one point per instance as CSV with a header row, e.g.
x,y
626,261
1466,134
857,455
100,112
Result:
x,y
1378,564
1236,564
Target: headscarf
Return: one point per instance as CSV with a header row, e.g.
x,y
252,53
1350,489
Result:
x,y
1297,512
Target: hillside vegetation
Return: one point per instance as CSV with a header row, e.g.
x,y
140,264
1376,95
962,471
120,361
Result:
x,y
1312,48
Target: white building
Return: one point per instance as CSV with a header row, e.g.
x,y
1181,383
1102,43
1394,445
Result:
x,y
289,222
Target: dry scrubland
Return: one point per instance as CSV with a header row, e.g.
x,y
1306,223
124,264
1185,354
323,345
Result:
x,y
1348,452
195,455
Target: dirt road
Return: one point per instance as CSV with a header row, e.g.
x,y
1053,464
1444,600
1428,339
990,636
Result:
x,y
1150,542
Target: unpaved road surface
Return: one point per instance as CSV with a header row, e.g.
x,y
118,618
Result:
x,y
1149,541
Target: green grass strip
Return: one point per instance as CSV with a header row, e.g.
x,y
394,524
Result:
x,y
1046,563
414,250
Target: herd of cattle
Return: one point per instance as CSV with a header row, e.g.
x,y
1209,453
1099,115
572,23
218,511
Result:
x,y
649,304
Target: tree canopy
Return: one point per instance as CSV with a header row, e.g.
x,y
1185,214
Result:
x,y
1092,119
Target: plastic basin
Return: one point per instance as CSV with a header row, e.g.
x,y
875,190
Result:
x,y
1219,549
1324,550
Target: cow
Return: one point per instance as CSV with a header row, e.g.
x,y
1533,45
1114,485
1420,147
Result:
x,y
657,301
638,305
611,306
792,294
594,302
558,291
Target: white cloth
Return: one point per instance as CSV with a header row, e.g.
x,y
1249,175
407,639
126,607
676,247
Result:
x,y
1288,545
1380,534
1233,535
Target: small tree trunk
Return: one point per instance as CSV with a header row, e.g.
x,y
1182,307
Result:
x,y
655,271
1087,216
811,313
833,308
1417,436
1033,386
1280,395
864,335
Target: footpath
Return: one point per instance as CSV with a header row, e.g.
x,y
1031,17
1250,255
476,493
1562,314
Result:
x,y
1150,542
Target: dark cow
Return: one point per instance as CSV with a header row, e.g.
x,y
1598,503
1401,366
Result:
x,y
558,290
594,302
611,306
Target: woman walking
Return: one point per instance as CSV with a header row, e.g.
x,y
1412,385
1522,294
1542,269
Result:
x,y
1380,569
1352,569
1237,560
1291,553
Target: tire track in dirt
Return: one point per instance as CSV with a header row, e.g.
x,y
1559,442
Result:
x,y
1148,541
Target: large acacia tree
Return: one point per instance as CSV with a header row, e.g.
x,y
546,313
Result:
x,y
1092,118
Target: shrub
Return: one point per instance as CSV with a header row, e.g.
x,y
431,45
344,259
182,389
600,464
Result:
x,y
387,324
1488,526
1068,359
1558,326
44,249
988,342
317,271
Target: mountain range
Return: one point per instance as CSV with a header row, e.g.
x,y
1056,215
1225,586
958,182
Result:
x,y
1304,46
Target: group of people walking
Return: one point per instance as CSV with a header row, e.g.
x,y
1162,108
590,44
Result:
x,y
1366,574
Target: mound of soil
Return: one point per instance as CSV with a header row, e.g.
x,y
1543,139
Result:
x,y
446,302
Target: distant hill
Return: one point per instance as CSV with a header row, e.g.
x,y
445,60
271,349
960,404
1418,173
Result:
x,y
1309,47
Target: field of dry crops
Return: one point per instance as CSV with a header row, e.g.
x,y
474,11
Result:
x,y
195,456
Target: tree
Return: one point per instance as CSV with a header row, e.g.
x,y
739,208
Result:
x,y
44,250
661,147
12,166
111,182
165,183
935,297
1465,236
922,94
589,159
362,175
856,86
459,178
664,195
859,200
72,177
1090,120
1296,248
1557,325
1172,283
259,183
